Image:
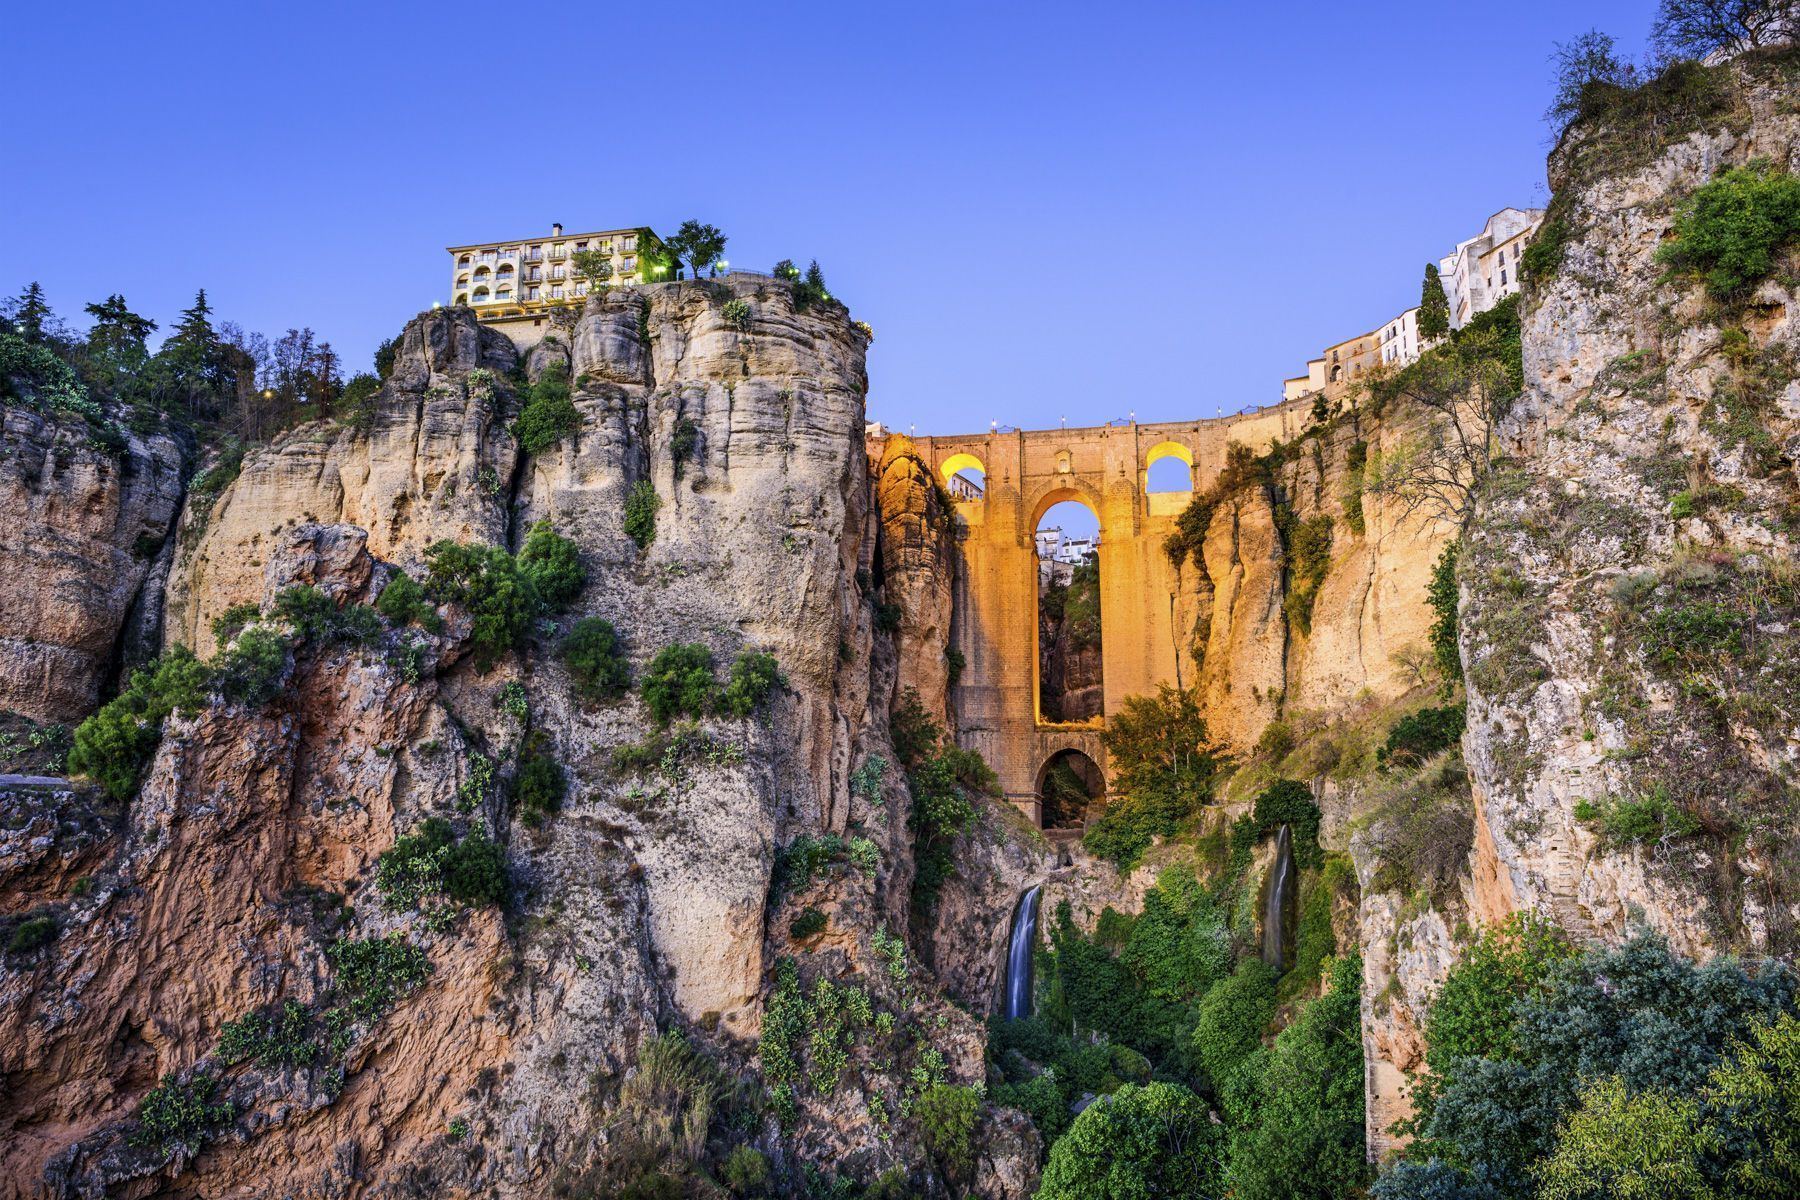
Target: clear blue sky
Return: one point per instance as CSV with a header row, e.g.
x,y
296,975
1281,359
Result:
x,y
1044,210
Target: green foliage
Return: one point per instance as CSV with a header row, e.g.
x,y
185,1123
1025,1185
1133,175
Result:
x,y
1306,1136
1652,819
1732,231
539,786
1543,257
745,1170
888,617
1288,802
489,586
912,730
1308,546
551,564
356,404
1441,594
1588,71
432,862
679,682
1638,1014
31,934
1434,306
809,923
1472,1014
1314,939
1038,1098
700,245
1163,766
1617,1146
385,355
684,441
226,625
113,746
280,1037
641,504
374,974
549,414
809,290
515,702
179,1117
947,1116
737,315
250,672
1228,1032
753,676
595,266
1138,1144
941,777
319,619
1417,736
595,659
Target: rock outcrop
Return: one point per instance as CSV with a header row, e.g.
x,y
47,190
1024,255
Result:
x,y
86,527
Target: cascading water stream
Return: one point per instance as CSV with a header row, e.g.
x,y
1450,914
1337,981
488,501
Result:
x,y
1016,1002
1275,902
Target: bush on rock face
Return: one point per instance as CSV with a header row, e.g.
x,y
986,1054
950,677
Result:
x,y
679,682
113,746
595,659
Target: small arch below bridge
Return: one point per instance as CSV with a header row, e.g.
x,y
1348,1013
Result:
x,y
1070,789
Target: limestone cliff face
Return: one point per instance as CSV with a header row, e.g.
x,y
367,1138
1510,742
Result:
x,y
1654,484
645,904
85,530
1264,653
918,568
437,463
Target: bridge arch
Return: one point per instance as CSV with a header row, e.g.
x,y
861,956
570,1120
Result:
x,y
1177,468
1070,788
1069,488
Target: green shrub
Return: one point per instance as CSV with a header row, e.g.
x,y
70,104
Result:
x,y
753,676
947,1116
281,1038
1288,802
888,617
1472,1014
539,787
745,1170
809,923
1442,596
1040,1099
641,504
549,414
515,702
1544,256
679,682
1650,819
1140,1142
912,730
356,404
403,601
1418,735
552,565
31,934
488,584
595,659
250,672
1231,1019
475,873
113,746
682,444
375,973
321,620
226,625
176,1116
1731,231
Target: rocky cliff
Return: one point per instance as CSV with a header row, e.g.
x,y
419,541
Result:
x,y
89,523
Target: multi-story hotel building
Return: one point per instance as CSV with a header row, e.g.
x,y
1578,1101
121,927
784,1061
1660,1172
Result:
x,y
516,281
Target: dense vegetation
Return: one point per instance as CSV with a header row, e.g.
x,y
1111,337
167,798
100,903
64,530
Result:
x,y
1626,1072
942,778
1163,767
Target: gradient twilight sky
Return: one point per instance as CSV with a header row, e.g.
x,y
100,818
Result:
x,y
1044,210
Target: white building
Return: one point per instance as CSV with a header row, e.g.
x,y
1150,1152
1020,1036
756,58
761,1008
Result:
x,y
1400,339
1485,269
1049,541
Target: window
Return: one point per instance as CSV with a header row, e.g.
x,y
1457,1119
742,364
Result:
x,y
1502,276
581,289
580,246
629,264
463,261
531,293
631,244
559,249
556,273
556,293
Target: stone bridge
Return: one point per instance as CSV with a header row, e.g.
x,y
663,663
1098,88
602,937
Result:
x,y
996,627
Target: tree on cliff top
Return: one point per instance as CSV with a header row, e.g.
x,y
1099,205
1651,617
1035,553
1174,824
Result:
x,y
700,245
1697,28
1434,306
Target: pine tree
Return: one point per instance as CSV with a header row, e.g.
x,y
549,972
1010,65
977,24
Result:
x,y
1434,306
31,313
118,332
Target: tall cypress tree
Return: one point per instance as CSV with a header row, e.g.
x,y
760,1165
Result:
x,y
1434,306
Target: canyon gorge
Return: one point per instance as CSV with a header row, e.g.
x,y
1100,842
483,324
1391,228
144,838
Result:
x,y
657,808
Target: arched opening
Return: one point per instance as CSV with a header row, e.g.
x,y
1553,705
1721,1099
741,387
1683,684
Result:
x,y
1068,788
1169,467
1067,540
463,261
462,297
964,477
503,294
505,271
481,294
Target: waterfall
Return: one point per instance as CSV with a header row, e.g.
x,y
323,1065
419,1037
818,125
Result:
x,y
1016,1002
1276,900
